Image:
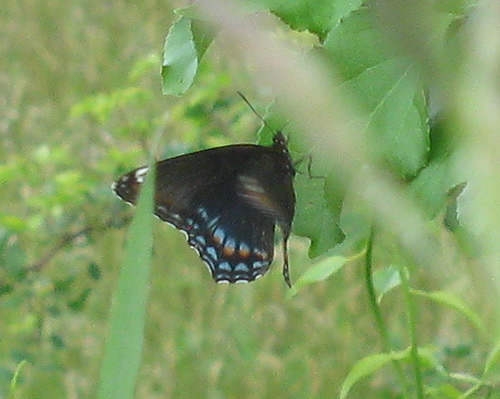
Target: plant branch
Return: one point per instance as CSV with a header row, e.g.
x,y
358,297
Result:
x,y
66,240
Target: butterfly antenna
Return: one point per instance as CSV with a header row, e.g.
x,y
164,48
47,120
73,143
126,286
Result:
x,y
254,110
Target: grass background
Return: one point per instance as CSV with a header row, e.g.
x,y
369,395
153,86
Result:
x,y
62,231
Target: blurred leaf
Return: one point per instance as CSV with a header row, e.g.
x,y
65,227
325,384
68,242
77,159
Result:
x,y
180,59
464,377
78,304
57,341
4,239
64,286
384,280
144,66
102,105
452,216
454,302
12,256
69,187
459,7
13,223
5,289
203,35
27,323
367,366
123,352
493,359
10,171
99,106
94,271
387,88
459,351
443,391
429,359
15,378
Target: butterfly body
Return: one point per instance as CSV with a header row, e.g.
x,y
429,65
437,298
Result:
x,y
228,201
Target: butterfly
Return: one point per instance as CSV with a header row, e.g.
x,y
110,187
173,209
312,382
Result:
x,y
228,201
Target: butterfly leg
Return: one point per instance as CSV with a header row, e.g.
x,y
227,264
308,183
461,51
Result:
x,y
286,271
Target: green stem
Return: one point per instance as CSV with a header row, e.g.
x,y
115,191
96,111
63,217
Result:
x,y
376,310
413,332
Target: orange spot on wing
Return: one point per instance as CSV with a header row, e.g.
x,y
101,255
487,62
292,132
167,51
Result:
x,y
244,253
228,251
261,254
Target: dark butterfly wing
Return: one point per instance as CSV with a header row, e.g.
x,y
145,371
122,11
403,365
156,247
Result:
x,y
227,200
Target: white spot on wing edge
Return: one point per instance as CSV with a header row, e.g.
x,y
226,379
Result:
x,y
140,174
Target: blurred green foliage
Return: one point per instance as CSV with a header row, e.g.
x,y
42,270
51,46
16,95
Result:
x,y
81,103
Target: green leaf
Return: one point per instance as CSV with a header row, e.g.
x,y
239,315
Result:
x,y
180,59
334,261
384,280
432,184
356,227
372,363
387,90
454,302
315,219
367,366
122,357
203,32
300,15
322,270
